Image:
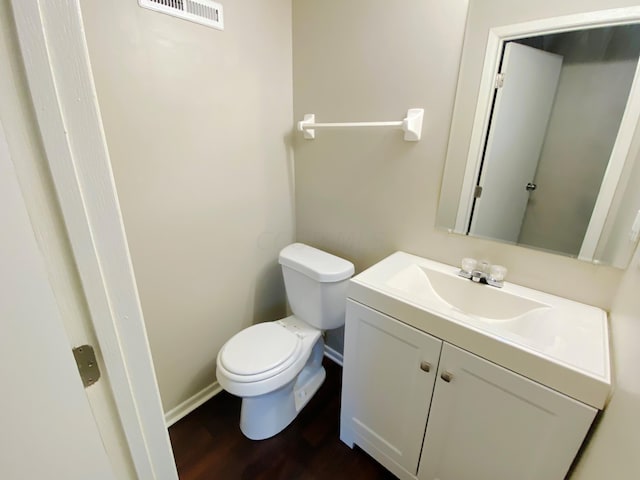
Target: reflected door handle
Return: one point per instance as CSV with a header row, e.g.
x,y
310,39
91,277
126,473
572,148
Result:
x,y
531,187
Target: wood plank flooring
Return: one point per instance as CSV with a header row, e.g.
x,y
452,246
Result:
x,y
208,444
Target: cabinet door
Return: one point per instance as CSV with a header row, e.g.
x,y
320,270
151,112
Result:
x,y
388,378
488,423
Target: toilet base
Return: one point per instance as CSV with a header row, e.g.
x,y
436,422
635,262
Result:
x,y
266,415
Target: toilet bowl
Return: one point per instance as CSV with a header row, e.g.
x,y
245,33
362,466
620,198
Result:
x,y
263,364
276,367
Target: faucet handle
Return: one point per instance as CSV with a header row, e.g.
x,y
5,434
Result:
x,y
497,274
467,266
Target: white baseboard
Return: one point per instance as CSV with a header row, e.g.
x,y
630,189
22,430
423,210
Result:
x,y
190,404
332,354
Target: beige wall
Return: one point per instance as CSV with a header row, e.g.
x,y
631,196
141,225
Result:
x,y
613,450
364,194
197,124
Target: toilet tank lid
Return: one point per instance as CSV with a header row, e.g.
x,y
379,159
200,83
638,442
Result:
x,y
316,264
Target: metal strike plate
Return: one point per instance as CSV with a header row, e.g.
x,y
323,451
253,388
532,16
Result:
x,y
87,365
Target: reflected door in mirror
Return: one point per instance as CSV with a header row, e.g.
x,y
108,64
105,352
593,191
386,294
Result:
x,y
523,102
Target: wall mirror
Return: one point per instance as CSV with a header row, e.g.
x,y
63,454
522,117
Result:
x,y
551,157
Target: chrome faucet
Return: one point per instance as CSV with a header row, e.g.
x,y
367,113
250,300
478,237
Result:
x,y
483,272
480,273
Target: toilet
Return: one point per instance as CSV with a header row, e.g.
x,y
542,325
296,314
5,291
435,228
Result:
x,y
276,367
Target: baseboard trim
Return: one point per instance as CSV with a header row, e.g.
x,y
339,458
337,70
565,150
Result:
x,y
332,354
190,404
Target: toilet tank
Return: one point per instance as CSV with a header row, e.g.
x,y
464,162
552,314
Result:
x,y
316,284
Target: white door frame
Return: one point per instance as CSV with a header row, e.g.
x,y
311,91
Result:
x,y
58,71
495,43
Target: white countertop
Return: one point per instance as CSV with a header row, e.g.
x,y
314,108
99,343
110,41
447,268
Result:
x,y
563,345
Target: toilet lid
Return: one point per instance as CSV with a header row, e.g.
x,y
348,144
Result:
x,y
260,348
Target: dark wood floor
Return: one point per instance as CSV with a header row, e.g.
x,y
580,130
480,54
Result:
x,y
208,444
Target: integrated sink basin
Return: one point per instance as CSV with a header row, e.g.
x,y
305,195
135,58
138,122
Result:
x,y
460,294
557,342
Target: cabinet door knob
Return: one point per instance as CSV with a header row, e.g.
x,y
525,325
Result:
x,y
446,376
426,366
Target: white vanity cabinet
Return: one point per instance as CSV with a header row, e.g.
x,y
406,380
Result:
x,y
389,373
484,422
489,423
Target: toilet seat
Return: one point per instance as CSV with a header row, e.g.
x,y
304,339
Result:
x,y
260,352
279,376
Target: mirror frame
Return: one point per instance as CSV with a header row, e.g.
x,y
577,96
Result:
x,y
498,36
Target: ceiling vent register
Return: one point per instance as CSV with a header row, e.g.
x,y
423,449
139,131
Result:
x,y
204,12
